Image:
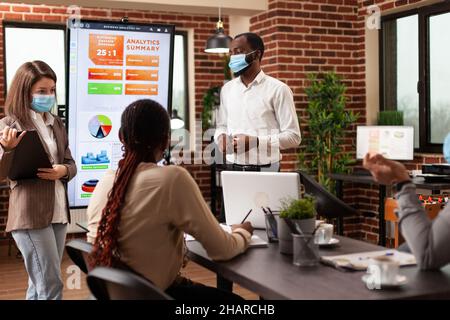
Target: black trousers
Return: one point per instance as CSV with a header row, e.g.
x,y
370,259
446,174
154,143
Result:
x,y
191,291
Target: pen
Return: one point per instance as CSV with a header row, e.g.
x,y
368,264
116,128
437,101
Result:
x,y
245,218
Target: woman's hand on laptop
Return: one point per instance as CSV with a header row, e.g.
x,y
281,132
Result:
x,y
246,226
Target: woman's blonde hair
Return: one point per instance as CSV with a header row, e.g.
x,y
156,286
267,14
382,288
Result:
x,y
19,98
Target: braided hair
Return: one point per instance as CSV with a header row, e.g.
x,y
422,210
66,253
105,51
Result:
x,y
144,130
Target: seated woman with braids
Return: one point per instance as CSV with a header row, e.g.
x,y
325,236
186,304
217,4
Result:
x,y
138,215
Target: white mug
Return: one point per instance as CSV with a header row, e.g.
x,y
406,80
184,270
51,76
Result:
x,y
383,269
324,233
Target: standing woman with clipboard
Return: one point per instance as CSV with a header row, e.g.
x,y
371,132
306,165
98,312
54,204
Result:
x,y
38,211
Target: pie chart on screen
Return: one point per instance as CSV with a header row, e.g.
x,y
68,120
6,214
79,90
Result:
x,y
100,126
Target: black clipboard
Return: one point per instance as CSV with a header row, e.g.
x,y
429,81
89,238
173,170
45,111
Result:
x,y
29,156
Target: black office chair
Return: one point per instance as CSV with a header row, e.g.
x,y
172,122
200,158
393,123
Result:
x,y
327,204
115,284
78,250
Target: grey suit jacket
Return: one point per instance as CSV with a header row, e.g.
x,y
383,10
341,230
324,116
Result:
x,y
32,201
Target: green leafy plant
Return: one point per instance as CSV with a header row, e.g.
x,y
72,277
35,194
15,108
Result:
x,y
211,100
304,208
390,118
327,123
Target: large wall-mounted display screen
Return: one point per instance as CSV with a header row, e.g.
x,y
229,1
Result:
x,y
110,66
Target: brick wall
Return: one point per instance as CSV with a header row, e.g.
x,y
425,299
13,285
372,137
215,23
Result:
x,y
304,37
300,37
208,68
366,198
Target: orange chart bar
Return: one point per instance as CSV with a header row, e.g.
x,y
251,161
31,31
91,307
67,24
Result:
x,y
138,60
106,49
142,75
141,89
105,74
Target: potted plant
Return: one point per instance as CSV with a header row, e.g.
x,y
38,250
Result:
x,y
390,118
211,98
302,214
328,122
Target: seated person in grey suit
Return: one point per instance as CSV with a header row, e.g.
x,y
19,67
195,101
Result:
x,y
428,240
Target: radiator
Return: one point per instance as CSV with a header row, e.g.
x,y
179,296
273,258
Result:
x,y
76,215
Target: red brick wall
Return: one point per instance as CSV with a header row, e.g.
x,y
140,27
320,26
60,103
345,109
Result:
x,y
300,37
304,37
366,198
208,68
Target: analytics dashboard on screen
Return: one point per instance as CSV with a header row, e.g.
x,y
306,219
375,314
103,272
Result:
x,y
110,66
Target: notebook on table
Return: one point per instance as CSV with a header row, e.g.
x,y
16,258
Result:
x,y
255,242
360,261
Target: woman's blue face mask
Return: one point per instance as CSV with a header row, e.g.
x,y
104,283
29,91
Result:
x,y
43,103
238,62
446,148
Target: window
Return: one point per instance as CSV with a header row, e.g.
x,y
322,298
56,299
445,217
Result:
x,y
180,97
36,41
415,72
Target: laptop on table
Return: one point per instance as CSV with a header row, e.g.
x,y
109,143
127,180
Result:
x,y
243,191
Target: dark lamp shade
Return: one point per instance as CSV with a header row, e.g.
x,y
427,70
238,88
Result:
x,y
218,43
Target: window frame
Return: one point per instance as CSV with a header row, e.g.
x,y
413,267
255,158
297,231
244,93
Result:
x,y
423,84
38,25
184,34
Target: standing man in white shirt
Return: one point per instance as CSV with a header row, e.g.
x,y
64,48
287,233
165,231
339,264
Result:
x,y
257,116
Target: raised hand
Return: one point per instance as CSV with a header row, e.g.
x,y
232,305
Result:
x,y
385,171
9,139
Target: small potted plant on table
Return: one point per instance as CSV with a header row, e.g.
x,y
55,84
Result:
x,y
302,215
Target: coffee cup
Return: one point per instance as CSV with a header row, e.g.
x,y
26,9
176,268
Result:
x,y
324,233
384,269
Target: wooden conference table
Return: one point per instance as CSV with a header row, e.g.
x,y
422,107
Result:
x,y
272,275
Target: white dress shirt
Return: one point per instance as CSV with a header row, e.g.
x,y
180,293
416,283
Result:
x,y
265,108
45,130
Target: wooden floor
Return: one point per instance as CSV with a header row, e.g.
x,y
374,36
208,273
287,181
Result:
x,y
13,278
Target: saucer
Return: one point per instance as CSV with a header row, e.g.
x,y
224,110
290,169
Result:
x,y
331,243
400,281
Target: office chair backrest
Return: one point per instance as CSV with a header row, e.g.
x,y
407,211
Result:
x,y
78,250
115,284
327,204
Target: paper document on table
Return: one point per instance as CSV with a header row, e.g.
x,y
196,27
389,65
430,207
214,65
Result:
x,y
360,261
254,242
